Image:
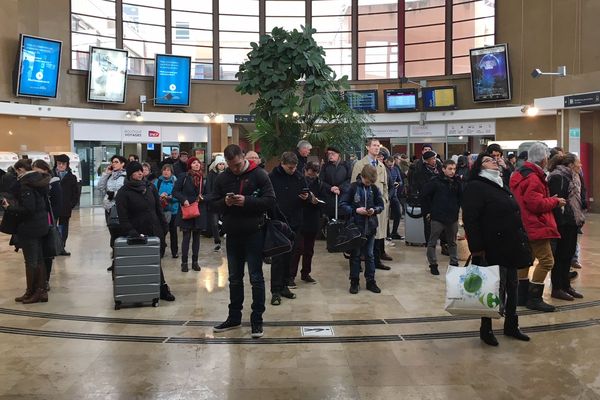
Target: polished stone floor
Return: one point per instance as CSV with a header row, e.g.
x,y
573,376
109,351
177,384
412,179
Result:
x,y
400,344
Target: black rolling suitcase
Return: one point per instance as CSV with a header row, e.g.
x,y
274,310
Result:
x,y
136,270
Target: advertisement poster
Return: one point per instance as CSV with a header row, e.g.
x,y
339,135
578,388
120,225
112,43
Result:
x,y
107,79
39,67
490,74
172,80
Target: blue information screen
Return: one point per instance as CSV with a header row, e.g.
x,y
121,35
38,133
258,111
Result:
x,y
38,67
172,80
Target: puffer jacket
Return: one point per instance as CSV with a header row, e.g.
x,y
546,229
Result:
x,y
110,185
31,208
529,186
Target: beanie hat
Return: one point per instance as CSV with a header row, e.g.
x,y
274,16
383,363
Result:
x,y
428,154
132,167
190,161
61,158
334,149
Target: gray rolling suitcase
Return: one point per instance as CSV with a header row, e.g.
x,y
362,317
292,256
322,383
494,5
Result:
x,y
136,270
414,234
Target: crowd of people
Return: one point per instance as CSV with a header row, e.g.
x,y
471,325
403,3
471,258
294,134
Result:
x,y
513,212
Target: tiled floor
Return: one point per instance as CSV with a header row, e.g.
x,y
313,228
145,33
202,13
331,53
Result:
x,y
56,351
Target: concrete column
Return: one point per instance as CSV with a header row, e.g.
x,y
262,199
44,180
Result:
x,y
570,135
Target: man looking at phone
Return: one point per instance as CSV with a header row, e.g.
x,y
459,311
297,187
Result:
x,y
292,195
242,194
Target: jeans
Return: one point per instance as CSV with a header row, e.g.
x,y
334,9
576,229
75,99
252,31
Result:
x,y
304,246
563,255
173,236
185,245
541,250
509,283
63,227
32,252
449,231
242,249
213,220
365,250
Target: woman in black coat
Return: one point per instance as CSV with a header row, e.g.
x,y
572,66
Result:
x,y
31,211
496,236
140,213
70,194
188,189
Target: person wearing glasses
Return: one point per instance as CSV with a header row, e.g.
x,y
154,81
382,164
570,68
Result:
x,y
492,220
111,181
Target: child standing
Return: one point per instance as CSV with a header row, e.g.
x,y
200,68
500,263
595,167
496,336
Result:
x,y
363,202
440,200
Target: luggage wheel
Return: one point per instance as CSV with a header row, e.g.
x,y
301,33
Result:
x,y
155,303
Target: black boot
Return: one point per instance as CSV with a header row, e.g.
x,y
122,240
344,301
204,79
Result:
x,y
511,328
354,286
535,301
486,333
523,290
165,293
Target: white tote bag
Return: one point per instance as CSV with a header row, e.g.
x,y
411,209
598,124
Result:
x,y
473,290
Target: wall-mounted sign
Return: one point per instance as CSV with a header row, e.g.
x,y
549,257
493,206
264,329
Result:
x,y
585,99
140,134
472,128
172,81
39,64
243,118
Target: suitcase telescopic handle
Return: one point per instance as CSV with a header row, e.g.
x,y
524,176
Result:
x,y
336,207
133,240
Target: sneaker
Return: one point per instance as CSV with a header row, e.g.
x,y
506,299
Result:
x,y
165,293
433,268
226,326
372,286
217,248
276,299
308,279
287,293
386,257
257,330
575,265
388,242
292,284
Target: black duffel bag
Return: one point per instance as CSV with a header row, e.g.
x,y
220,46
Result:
x,y
342,237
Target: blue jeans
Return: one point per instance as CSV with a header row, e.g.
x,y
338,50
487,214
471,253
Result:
x,y
242,249
367,251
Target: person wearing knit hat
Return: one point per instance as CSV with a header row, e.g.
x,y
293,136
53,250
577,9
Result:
x,y
70,195
133,167
428,154
214,170
333,149
190,161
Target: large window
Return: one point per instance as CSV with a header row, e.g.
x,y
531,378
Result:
x,y
192,35
412,38
333,21
238,27
472,26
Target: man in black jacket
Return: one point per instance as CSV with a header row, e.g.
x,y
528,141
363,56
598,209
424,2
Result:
x,y
292,194
440,200
70,195
242,194
335,178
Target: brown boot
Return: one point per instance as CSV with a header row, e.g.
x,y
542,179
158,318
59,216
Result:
x,y
40,294
29,291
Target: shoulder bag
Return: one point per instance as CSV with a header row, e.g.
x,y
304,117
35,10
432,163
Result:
x,y
53,244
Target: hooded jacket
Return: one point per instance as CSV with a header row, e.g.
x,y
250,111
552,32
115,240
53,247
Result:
x,y
31,208
259,198
528,184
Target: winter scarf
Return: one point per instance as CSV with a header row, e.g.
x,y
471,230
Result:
x,y
492,175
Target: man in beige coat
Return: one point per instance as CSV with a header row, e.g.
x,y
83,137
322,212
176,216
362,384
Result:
x,y
373,147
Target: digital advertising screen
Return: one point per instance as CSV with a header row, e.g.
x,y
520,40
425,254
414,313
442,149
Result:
x,y
39,67
107,78
490,73
172,83
362,100
399,100
439,98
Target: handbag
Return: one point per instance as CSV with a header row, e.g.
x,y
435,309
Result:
x,y
10,223
112,218
278,238
473,290
53,244
190,212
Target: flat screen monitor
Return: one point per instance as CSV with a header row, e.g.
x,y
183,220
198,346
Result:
x,y
172,80
439,98
107,78
399,100
362,100
490,73
39,67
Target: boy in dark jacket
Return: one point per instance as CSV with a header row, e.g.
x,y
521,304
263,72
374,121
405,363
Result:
x,y
441,202
363,202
